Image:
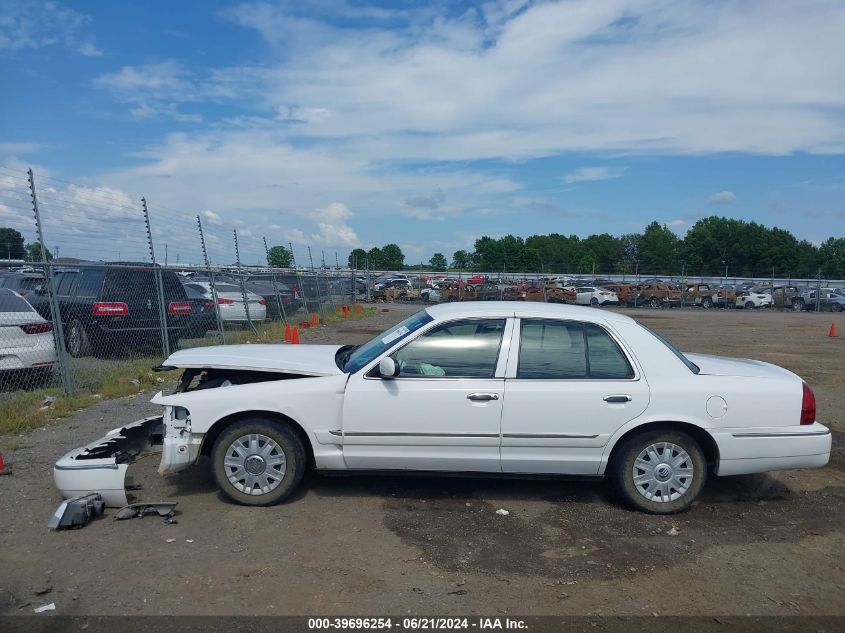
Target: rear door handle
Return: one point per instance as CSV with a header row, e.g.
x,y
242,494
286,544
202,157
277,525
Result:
x,y
482,397
618,398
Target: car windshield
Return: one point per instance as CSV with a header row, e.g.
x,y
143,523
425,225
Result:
x,y
371,349
686,361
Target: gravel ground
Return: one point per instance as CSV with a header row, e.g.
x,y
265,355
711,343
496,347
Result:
x,y
763,544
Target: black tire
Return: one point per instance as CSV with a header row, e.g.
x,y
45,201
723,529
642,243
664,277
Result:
x,y
78,344
707,302
798,304
286,442
594,302
627,455
655,302
749,305
836,307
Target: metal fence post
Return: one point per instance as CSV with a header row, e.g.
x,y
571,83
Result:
x,y
217,314
162,311
55,314
279,301
298,278
241,279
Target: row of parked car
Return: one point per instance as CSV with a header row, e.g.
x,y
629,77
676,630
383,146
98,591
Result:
x,y
115,309
604,292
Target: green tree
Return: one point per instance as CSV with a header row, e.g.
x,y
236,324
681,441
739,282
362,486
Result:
x,y
11,244
375,258
438,262
358,258
461,260
392,257
33,253
832,255
659,249
279,257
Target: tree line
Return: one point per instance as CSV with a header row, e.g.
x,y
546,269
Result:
x,y
710,247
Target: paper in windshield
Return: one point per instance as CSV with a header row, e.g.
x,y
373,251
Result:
x,y
395,334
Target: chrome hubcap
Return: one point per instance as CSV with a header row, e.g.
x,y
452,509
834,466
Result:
x,y
663,472
255,464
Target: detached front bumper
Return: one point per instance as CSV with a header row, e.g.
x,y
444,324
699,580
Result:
x,y
102,466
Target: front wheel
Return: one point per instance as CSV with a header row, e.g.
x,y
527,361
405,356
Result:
x,y
707,302
749,305
798,305
594,302
655,302
660,472
836,307
258,462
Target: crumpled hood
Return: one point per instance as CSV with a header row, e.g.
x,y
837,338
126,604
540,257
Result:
x,y
308,360
745,367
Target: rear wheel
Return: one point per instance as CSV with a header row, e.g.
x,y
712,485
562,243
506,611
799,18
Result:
x,y
594,302
836,307
749,305
797,304
654,302
660,472
77,340
707,302
258,462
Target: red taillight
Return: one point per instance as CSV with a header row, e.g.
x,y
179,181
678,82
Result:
x,y
808,405
225,302
176,308
109,308
262,301
36,328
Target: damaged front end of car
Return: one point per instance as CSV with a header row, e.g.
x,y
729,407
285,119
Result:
x,y
103,465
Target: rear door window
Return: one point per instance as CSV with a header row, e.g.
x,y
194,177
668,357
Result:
x,y
90,283
66,284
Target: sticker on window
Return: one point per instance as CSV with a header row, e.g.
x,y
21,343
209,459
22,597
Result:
x,y
395,334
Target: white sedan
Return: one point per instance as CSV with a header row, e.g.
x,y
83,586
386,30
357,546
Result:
x,y
230,299
26,338
591,296
481,387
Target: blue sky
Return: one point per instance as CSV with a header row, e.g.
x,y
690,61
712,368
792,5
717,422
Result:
x,y
339,124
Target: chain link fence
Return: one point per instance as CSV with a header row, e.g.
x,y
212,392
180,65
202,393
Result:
x,y
113,285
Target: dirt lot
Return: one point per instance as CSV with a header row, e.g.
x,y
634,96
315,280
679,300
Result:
x,y
767,545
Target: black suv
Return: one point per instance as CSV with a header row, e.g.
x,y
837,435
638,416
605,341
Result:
x,y
116,308
22,283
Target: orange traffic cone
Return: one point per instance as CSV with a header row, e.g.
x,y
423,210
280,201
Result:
x,y
3,469
314,319
345,311
287,333
832,331
295,336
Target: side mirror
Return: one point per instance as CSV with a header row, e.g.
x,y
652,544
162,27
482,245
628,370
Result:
x,y
387,367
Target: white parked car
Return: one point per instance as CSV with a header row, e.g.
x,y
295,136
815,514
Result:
x,y
481,387
26,338
751,300
230,299
430,294
592,296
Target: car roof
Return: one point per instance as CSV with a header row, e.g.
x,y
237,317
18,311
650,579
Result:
x,y
525,310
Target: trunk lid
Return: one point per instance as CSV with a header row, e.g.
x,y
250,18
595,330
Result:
x,y
744,367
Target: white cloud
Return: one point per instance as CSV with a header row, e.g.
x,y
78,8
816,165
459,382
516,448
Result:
x,y
587,174
333,227
722,197
33,25
212,217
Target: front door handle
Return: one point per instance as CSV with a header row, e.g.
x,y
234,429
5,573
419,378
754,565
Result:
x,y
618,398
482,397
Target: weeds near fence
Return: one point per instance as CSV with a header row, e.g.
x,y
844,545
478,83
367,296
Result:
x,y
25,410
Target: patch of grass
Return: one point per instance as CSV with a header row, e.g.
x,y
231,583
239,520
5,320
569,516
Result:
x,y
23,410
